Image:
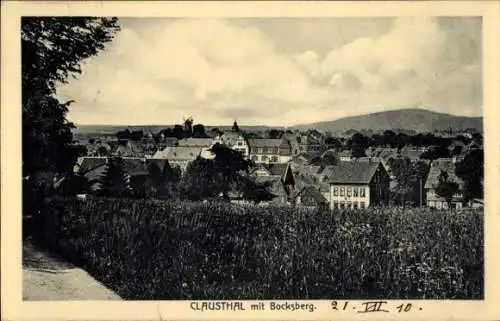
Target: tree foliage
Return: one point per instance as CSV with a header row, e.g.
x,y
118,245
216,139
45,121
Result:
x,y
213,178
52,49
446,188
471,171
115,182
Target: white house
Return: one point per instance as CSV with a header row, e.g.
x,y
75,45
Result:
x,y
234,140
358,185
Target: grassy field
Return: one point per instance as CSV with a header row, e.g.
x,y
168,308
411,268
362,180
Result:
x,y
174,250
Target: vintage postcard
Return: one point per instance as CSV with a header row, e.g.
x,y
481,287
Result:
x,y
250,160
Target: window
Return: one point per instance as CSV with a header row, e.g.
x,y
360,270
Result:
x,y
355,192
362,205
335,191
335,205
362,192
240,144
264,158
348,204
341,191
348,192
255,158
342,205
274,158
355,205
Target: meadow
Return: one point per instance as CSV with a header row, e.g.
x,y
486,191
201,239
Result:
x,y
160,250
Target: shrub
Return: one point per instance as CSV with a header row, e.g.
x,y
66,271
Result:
x,y
149,249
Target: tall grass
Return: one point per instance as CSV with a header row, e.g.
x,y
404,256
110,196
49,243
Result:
x,y
181,250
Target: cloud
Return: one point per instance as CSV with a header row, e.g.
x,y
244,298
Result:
x,y
217,70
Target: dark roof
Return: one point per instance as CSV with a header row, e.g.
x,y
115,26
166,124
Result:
x,y
438,165
277,169
353,172
183,153
263,142
90,163
195,142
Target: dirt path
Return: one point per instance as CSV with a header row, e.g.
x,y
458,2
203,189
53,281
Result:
x,y
46,277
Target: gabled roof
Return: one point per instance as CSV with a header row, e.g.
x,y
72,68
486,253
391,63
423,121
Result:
x,y
179,153
162,153
89,163
277,169
195,142
354,172
263,142
438,165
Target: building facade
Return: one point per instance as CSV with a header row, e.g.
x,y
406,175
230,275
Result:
x,y
270,150
358,185
234,140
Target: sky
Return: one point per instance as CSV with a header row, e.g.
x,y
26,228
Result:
x,y
278,71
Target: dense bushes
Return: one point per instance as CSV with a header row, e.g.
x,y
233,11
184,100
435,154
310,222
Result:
x,y
179,250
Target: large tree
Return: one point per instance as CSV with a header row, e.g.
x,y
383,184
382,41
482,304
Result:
x,y
471,171
446,188
217,177
52,49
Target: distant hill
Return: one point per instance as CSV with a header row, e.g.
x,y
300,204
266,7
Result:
x,y
419,120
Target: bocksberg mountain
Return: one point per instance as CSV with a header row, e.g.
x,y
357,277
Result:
x,y
420,120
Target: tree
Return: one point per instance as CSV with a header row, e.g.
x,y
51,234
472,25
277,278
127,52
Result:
x,y
275,133
199,131
332,142
358,145
389,138
114,181
178,132
136,135
446,188
52,49
257,192
409,179
471,171
188,127
235,127
211,178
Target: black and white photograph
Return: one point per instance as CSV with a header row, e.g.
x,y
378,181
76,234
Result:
x,y
252,158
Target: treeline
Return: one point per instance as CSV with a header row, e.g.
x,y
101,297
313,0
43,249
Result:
x,y
224,176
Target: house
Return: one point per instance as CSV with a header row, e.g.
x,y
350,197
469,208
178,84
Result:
x,y
358,184
311,196
128,148
437,167
234,140
263,150
311,141
181,156
279,176
345,155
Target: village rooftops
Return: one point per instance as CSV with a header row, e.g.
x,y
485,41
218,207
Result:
x,y
182,153
353,172
195,142
264,142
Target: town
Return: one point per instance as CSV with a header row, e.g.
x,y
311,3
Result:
x,y
306,167
259,158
